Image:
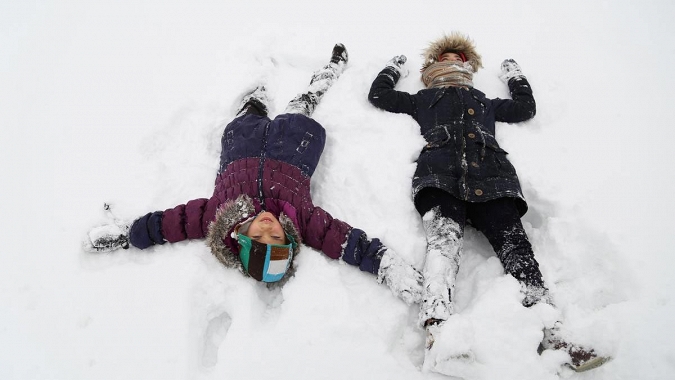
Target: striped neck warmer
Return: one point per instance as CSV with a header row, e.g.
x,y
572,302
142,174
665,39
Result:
x,y
448,74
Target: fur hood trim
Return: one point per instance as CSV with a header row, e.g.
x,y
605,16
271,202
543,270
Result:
x,y
229,215
453,42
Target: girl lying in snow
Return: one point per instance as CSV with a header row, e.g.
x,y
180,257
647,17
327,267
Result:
x,y
261,209
463,176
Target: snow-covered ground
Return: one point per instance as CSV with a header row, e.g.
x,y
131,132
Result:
x,y
123,102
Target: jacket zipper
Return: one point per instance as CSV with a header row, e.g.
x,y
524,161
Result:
x,y
261,167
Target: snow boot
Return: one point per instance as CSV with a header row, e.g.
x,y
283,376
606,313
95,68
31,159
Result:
x,y
321,81
444,247
255,102
339,54
329,73
431,327
581,358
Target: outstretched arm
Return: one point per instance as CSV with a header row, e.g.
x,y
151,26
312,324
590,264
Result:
x,y
338,239
521,106
382,94
188,221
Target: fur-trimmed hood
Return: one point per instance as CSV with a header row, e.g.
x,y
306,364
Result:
x,y
453,42
220,236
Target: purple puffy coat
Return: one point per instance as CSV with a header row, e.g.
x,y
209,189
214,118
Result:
x,y
264,165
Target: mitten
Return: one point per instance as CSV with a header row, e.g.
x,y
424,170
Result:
x,y
510,70
108,237
402,278
397,64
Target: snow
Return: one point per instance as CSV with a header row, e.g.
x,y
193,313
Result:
x,y
123,102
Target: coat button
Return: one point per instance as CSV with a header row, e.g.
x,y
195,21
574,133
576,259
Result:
x,y
478,192
471,136
474,164
470,111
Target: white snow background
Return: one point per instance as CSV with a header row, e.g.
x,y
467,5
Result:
x,y
124,102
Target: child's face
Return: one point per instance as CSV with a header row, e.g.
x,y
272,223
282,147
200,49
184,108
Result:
x,y
266,229
450,57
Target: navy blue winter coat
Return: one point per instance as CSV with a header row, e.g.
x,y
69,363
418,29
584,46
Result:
x,y
462,156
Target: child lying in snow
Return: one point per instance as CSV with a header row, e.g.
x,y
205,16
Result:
x,y
261,208
464,176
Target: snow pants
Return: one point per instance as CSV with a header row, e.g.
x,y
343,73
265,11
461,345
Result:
x,y
498,220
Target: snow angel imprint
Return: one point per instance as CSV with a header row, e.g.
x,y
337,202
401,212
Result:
x,y
463,175
261,209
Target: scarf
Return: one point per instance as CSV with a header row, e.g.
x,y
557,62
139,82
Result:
x,y
448,74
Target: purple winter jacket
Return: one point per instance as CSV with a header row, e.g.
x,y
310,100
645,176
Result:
x,y
269,163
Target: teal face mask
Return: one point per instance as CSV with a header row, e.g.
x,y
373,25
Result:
x,y
265,262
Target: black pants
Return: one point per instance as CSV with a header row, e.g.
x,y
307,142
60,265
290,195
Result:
x,y
499,221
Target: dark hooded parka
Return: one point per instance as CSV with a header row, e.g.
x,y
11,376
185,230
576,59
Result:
x,y
462,155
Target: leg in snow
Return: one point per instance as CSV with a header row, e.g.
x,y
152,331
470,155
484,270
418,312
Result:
x,y
443,218
256,102
499,221
322,80
444,246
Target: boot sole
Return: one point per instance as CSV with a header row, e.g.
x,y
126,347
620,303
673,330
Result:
x,y
593,363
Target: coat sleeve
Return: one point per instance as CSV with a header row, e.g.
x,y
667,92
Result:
x,y
522,106
337,239
185,221
382,94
